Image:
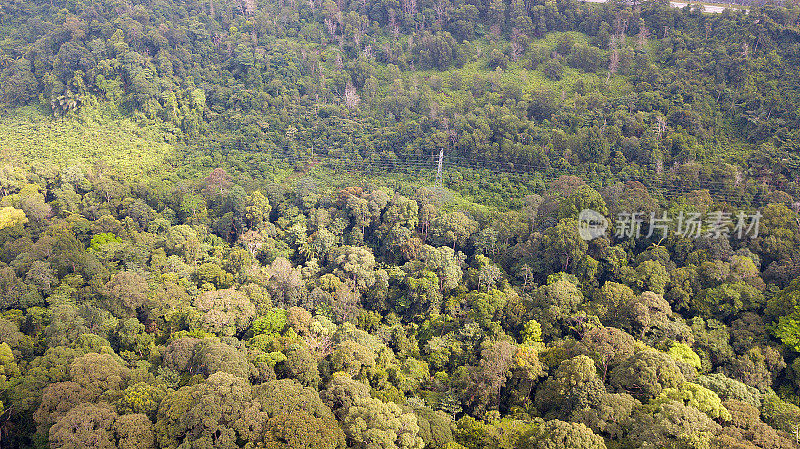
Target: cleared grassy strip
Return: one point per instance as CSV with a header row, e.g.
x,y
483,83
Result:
x,y
29,137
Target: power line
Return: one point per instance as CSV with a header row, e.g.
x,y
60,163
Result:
x,y
718,191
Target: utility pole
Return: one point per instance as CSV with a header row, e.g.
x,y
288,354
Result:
x,y
439,170
797,433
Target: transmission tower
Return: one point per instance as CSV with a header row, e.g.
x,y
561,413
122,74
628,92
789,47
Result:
x,y
439,170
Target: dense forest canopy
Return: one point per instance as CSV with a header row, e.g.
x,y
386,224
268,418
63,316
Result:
x,y
221,225
610,90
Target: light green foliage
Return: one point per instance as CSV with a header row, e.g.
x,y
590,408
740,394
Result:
x,y
273,322
684,354
356,265
701,398
198,98
141,398
730,389
558,434
484,307
729,299
786,302
133,340
672,424
788,330
132,149
584,197
412,373
353,358
651,275
275,357
558,300
401,211
565,248
611,299
574,385
103,238
211,276
453,229
786,308
258,210
780,414
322,326
532,333
10,216
444,262
8,364
489,275
505,433
374,423
423,295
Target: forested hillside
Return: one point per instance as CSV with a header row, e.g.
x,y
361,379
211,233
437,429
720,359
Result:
x,y
221,227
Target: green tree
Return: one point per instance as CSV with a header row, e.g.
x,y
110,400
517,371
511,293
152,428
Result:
x,y
211,356
341,392
701,398
374,423
127,292
134,431
453,229
209,414
225,312
285,283
85,426
183,241
558,434
562,247
356,265
646,373
101,374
